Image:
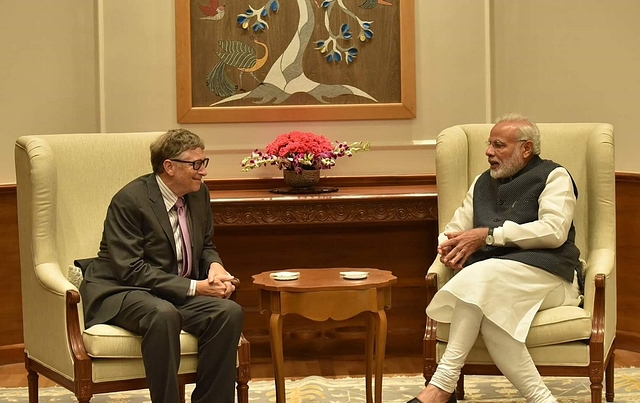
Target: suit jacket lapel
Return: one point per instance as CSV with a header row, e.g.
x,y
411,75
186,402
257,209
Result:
x,y
160,210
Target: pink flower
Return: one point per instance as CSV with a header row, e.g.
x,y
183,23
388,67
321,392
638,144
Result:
x,y
290,144
302,151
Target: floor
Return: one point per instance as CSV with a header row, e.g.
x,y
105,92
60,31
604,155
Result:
x,y
14,375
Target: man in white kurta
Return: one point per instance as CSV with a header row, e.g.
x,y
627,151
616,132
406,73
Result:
x,y
507,272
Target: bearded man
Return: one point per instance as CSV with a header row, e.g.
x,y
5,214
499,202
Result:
x,y
512,246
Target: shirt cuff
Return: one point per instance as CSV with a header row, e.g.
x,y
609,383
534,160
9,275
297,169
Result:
x,y
192,289
498,236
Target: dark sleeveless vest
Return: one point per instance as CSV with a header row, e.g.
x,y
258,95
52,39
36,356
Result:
x,y
516,199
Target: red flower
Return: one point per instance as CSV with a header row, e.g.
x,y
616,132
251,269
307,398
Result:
x,y
294,143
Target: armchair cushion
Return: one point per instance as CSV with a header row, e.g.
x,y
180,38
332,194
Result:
x,y
552,326
108,341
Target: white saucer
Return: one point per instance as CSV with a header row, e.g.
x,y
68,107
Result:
x,y
354,275
285,275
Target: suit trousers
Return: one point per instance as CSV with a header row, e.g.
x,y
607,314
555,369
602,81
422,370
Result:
x,y
217,324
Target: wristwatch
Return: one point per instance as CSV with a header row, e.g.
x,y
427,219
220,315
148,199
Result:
x,y
489,239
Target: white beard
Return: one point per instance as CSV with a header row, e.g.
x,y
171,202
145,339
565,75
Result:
x,y
508,167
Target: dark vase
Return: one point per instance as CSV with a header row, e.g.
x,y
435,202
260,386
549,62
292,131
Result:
x,y
304,179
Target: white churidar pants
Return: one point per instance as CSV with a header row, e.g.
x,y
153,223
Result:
x,y
469,301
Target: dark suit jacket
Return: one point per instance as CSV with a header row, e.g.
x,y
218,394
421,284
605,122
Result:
x,y
138,252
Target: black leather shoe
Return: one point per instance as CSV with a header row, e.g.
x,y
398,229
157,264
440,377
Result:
x,y
452,399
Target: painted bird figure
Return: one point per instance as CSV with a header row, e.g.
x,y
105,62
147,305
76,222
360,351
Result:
x,y
213,11
373,3
238,55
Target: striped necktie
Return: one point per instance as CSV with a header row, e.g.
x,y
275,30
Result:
x,y
185,236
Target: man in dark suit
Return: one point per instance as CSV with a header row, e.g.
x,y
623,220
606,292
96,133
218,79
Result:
x,y
155,279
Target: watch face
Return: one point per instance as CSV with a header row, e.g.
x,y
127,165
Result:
x,y
489,240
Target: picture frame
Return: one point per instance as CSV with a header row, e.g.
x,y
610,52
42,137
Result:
x,y
326,79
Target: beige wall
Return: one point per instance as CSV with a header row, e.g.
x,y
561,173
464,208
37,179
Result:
x,y
567,60
109,65
47,72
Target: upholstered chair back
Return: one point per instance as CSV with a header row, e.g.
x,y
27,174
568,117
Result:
x,y
65,183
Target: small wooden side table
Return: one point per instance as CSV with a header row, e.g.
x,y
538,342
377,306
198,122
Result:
x,y
321,294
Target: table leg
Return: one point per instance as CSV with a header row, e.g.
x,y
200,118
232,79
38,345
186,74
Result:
x,y
368,350
381,341
277,355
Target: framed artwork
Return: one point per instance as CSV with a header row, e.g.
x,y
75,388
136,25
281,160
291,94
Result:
x,y
294,60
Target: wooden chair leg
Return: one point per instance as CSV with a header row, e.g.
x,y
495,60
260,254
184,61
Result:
x,y
182,392
427,373
460,388
32,382
608,378
596,393
242,379
243,392
243,375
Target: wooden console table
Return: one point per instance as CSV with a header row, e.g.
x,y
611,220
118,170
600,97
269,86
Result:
x,y
384,222
322,294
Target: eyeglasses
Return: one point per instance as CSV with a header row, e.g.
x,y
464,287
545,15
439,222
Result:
x,y
499,145
197,164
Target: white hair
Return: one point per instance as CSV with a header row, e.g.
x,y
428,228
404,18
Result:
x,y
527,130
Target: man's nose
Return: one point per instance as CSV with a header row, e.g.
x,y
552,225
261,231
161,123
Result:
x,y
490,152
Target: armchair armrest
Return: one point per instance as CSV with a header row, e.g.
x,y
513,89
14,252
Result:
x,y
82,361
443,273
600,261
50,277
44,311
600,298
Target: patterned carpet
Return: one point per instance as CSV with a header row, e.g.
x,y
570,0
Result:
x,y
315,389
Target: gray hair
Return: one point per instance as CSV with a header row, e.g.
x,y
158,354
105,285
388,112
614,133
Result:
x,y
527,129
171,145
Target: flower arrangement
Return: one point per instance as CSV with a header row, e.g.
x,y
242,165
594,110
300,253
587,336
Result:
x,y
300,151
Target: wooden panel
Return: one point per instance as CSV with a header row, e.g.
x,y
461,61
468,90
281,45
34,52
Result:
x,y
628,256
10,297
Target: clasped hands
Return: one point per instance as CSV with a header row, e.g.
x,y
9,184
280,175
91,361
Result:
x,y
217,284
455,251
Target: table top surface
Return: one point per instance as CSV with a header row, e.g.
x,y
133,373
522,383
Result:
x,y
343,193
328,279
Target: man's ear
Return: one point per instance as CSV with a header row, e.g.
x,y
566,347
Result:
x,y
527,149
169,167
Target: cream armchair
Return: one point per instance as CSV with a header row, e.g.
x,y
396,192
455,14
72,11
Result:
x,y
569,341
65,183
